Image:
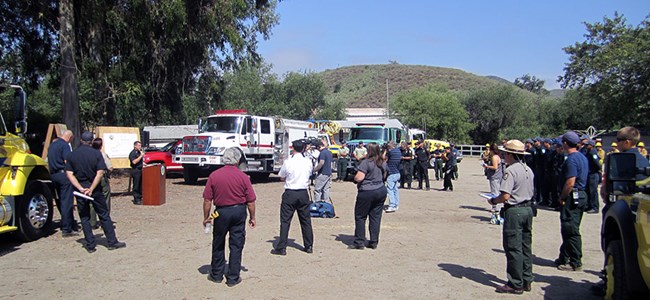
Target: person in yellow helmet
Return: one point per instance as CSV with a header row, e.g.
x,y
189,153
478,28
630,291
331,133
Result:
x,y
485,156
601,153
642,149
614,148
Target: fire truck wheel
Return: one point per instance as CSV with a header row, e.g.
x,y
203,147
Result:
x,y
189,175
34,212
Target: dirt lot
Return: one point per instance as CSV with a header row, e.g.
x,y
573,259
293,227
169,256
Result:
x,y
438,245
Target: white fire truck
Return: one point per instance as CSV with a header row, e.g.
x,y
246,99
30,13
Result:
x,y
264,143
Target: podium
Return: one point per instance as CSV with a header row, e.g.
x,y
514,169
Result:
x,y
153,185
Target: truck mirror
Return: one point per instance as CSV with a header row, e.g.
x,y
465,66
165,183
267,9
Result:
x,y
341,136
200,121
20,111
621,173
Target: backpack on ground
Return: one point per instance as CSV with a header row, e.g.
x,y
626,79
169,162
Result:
x,y
322,209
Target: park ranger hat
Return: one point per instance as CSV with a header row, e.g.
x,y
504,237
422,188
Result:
x,y
514,147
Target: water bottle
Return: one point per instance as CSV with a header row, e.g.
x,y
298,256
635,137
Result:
x,y
576,196
208,228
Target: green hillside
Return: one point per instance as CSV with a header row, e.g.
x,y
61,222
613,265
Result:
x,y
365,85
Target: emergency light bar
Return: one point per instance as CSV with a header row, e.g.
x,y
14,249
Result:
x,y
231,112
370,124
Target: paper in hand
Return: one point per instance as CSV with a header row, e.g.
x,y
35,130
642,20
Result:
x,y
83,196
488,195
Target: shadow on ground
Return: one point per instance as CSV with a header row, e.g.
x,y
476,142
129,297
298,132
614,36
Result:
x,y
290,243
473,274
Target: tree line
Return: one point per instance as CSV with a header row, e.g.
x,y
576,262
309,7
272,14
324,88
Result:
x,y
136,63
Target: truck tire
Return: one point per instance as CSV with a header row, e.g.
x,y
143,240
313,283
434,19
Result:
x,y
34,212
432,163
190,176
616,287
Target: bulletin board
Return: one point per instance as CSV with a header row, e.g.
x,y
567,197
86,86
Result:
x,y
53,132
118,143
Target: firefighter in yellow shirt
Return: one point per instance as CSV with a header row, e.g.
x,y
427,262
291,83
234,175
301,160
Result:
x,y
601,152
642,149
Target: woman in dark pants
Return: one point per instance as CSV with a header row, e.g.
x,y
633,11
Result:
x,y
371,173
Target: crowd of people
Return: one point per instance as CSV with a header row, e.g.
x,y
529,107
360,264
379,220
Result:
x,y
563,173
82,173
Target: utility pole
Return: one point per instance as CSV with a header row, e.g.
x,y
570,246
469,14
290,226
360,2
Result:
x,y
387,101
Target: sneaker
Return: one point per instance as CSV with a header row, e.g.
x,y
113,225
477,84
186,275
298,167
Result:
x,y
391,209
569,267
558,262
117,246
90,250
592,211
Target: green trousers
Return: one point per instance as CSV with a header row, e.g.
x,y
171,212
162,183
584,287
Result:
x,y
517,244
342,168
106,189
570,218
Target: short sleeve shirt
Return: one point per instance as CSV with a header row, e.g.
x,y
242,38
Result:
x,y
84,162
229,186
326,157
374,175
133,155
57,154
344,151
360,152
518,182
296,171
576,165
394,158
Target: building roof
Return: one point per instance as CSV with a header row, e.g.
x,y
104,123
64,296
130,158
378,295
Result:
x,y
170,132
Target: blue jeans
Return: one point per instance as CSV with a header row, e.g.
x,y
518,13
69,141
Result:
x,y
393,193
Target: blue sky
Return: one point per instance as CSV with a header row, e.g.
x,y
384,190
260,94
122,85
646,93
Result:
x,y
505,38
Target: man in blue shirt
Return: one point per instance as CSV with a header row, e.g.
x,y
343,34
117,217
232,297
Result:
x,y
57,155
574,201
323,181
393,157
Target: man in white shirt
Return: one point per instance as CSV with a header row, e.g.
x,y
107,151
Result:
x,y
295,172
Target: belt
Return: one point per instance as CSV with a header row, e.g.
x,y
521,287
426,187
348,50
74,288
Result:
x,y
526,203
295,190
59,171
229,206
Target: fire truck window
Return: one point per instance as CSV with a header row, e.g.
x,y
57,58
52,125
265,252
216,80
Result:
x,y
266,126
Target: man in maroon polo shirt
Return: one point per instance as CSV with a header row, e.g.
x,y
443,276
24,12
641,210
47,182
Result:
x,y
231,192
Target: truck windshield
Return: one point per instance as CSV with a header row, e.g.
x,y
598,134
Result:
x,y
221,124
369,134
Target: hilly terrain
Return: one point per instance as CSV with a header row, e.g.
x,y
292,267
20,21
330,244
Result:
x,y
365,85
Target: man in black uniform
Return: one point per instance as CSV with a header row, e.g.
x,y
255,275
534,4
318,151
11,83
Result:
x,y
405,163
135,157
538,169
422,166
450,166
57,154
547,165
85,170
593,178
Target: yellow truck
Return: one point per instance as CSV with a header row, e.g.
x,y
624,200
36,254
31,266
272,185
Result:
x,y
26,198
625,231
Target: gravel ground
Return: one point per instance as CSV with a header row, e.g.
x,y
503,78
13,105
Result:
x,y
438,245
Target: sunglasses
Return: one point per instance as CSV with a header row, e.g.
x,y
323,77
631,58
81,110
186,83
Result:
x,y
621,139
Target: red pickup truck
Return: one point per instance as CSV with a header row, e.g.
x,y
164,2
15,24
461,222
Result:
x,y
164,156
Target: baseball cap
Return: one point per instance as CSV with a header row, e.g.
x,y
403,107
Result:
x,y
571,137
87,136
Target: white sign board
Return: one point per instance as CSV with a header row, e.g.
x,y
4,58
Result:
x,y
119,145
